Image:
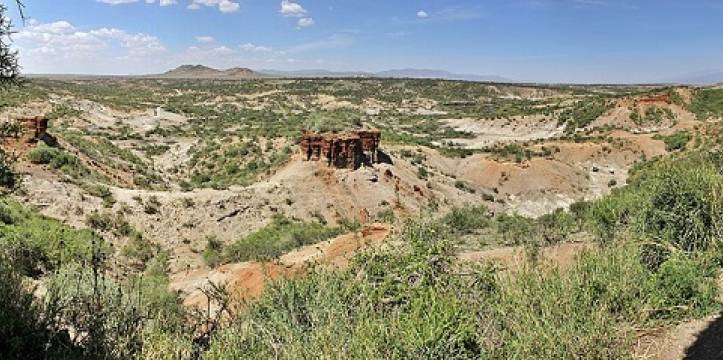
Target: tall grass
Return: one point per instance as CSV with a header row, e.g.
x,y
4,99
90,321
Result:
x,y
278,238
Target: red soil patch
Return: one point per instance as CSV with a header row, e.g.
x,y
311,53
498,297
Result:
x,y
247,280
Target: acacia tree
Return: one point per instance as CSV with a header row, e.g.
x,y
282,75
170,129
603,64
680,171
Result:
x,y
9,75
9,67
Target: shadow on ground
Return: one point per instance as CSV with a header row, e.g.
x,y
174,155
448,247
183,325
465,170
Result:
x,y
709,343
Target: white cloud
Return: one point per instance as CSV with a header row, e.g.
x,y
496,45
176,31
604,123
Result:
x,y
422,14
225,6
255,48
117,2
289,8
59,46
228,6
122,2
590,2
205,39
305,22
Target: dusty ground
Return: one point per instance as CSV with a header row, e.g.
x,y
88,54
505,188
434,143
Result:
x,y
495,131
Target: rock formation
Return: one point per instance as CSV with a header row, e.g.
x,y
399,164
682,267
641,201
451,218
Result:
x,y
654,99
33,129
341,150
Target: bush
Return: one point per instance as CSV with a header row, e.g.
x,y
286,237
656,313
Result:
x,y
672,201
681,287
407,302
677,141
422,172
461,185
37,245
515,229
140,250
386,216
60,160
213,253
7,175
707,103
152,205
25,329
464,221
279,237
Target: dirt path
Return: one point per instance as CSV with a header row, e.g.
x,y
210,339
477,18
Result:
x,y
247,280
700,339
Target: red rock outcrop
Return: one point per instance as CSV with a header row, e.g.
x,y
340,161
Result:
x,y
654,99
341,150
32,128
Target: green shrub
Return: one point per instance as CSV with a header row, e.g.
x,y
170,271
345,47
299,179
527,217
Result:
x,y
213,253
583,113
409,301
461,185
422,172
152,205
277,238
60,160
26,329
7,175
466,221
683,286
677,141
140,250
386,216
515,229
707,103
36,245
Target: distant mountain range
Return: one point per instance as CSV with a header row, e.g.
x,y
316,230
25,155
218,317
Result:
x,y
708,77
205,72
439,74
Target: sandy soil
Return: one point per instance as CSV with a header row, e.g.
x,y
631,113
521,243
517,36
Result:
x,y
489,132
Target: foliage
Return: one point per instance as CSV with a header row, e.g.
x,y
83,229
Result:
x,y
26,328
673,201
277,238
9,67
707,103
8,178
467,220
677,141
652,115
583,113
61,160
410,301
36,244
213,253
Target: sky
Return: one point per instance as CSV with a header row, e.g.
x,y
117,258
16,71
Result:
x,y
581,41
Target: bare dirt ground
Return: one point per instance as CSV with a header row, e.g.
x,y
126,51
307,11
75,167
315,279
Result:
x,y
696,340
490,132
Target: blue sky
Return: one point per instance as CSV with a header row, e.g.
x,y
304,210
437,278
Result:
x,y
531,40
